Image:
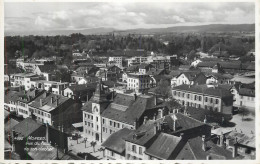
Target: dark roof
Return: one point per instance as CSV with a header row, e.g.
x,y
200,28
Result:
x,y
203,89
82,87
219,75
115,141
144,135
11,96
223,64
163,146
125,109
191,75
145,66
183,122
214,151
155,71
26,127
251,67
48,106
47,68
245,89
132,68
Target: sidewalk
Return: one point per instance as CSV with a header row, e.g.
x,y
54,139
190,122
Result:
x,y
80,148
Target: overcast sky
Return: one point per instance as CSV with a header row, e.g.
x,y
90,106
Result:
x,y
56,16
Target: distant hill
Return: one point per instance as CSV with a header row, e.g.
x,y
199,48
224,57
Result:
x,y
202,28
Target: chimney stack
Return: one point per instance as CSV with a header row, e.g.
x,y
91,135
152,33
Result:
x,y
145,119
160,113
135,96
47,133
155,100
57,101
41,104
234,153
155,128
13,136
204,143
221,139
205,119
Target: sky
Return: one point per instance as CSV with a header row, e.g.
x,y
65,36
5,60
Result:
x,y
43,16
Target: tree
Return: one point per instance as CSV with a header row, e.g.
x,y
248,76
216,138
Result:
x,y
93,144
243,111
173,105
163,89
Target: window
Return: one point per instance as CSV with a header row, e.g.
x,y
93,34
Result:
x,y
97,127
104,129
111,123
211,100
110,131
183,94
134,148
188,96
97,119
206,99
199,98
118,125
114,124
140,150
216,101
195,97
103,121
241,97
112,153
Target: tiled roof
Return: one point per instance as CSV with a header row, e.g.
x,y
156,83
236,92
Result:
x,y
115,141
203,89
163,146
47,68
82,87
214,151
144,135
126,109
26,127
11,96
46,101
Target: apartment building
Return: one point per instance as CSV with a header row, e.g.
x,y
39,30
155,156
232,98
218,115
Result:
x,y
190,78
118,60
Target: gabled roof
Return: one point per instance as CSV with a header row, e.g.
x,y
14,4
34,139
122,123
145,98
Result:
x,y
115,141
26,127
163,146
191,75
126,109
47,68
48,106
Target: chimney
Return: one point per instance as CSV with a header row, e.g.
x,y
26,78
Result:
x,y
62,128
13,136
234,153
155,100
47,133
154,116
204,143
160,113
221,139
174,125
135,96
145,119
205,119
52,100
44,95
155,128
57,101
41,104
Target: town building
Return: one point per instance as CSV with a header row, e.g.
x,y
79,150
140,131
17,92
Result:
x,y
211,97
136,60
138,82
189,78
118,60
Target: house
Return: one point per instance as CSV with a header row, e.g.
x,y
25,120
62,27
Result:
x,y
18,79
115,144
190,78
54,109
10,101
144,68
209,97
46,70
24,99
88,80
138,82
136,60
244,95
82,92
217,78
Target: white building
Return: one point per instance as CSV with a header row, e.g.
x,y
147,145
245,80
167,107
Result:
x,y
138,82
117,60
136,60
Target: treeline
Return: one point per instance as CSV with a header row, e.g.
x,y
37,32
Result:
x,y
180,44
